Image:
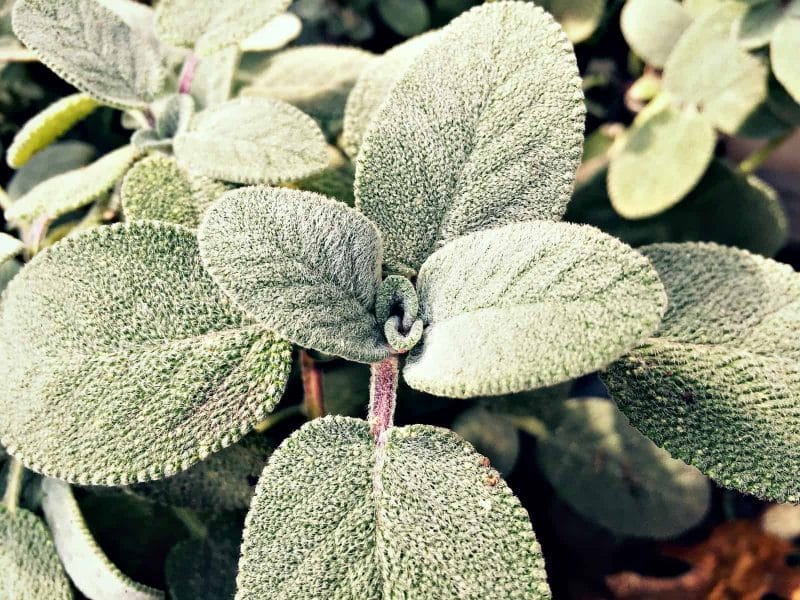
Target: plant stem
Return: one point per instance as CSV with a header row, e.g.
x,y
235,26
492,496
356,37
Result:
x,y
313,394
383,397
191,521
756,158
277,417
187,73
13,485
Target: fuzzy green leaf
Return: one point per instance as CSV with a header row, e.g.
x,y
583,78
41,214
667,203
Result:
x,y
87,565
213,79
74,189
133,365
315,79
373,85
527,306
579,18
49,125
757,24
9,247
210,25
653,27
8,270
274,35
49,162
93,49
405,17
409,519
29,566
252,140
484,129
637,489
664,155
156,188
717,385
785,50
301,264
709,70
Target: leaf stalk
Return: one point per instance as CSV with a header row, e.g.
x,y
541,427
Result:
x,y
313,394
755,159
187,73
13,486
383,397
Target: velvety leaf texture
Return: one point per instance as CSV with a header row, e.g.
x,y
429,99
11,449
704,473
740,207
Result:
x,y
717,385
213,79
9,247
274,35
49,162
117,344
335,516
49,125
637,489
87,565
784,51
29,566
93,49
484,129
529,305
653,27
252,140
301,264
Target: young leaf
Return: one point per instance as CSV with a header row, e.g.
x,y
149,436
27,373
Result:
x,y
637,488
717,385
527,306
213,79
252,140
405,17
87,565
579,18
49,125
337,516
49,162
93,49
210,25
653,27
484,129
301,264
117,335
9,247
274,35
664,155
156,188
784,50
373,85
709,70
315,79
29,566
74,189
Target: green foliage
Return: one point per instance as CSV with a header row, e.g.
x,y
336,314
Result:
x,y
653,27
723,365
578,18
214,77
49,162
274,35
9,247
29,567
492,435
452,133
406,17
119,335
391,521
783,50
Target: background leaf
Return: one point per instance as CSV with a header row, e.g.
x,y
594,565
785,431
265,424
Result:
x,y
113,338
784,50
405,17
578,18
274,35
653,27
492,435
9,247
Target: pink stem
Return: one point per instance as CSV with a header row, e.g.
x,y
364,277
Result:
x,y
187,73
383,397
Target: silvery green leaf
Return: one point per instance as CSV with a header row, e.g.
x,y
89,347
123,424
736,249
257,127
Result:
x,y
84,561
8,270
315,79
717,385
135,14
484,129
47,126
663,156
373,85
653,27
93,49
492,435
9,247
213,79
156,188
173,114
578,18
335,515
210,25
274,35
637,489
784,50
405,17
29,566
529,305
709,70
301,264
49,162
117,335
756,26
252,140
72,190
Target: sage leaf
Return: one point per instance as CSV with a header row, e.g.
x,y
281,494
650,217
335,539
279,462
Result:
x,y
210,25
578,18
92,48
484,129
117,335
9,247
405,17
87,565
727,83
29,566
664,155
301,264
727,352
529,305
638,490
653,27
274,35
394,521
784,50
252,140
72,190
49,125
213,78
49,162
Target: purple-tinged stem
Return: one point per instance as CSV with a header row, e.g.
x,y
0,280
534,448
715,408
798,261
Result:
x,y
383,397
313,395
187,73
